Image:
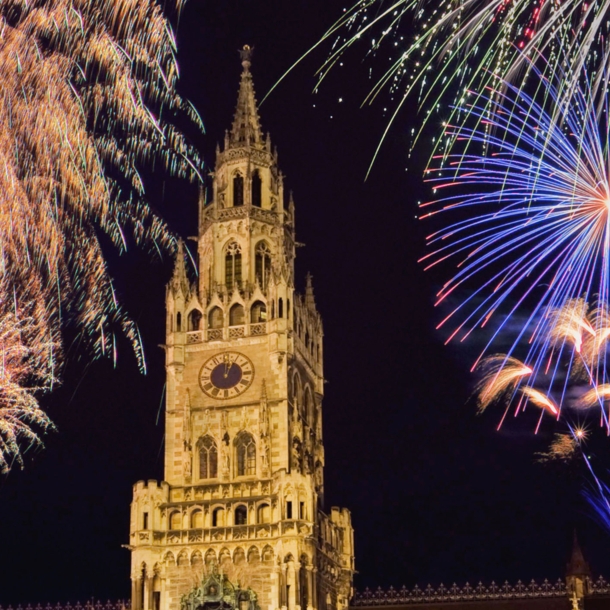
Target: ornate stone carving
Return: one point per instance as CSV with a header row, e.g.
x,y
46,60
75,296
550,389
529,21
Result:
x,y
216,592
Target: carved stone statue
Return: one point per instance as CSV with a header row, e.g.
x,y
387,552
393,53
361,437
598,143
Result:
x,y
296,455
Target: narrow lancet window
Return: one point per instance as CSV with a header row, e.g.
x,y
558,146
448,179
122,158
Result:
x,y
238,190
208,458
256,189
246,455
262,264
233,265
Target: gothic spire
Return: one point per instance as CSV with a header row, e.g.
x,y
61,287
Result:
x,y
246,123
577,565
309,298
179,281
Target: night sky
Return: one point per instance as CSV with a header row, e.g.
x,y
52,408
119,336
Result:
x,y
436,494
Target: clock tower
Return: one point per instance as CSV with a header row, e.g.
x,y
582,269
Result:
x,y
239,519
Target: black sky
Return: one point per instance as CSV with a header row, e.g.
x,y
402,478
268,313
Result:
x,y
436,494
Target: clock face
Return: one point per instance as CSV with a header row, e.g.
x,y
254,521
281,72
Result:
x,y
226,375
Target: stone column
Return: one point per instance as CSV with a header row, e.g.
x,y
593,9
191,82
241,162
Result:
x,y
291,582
275,588
283,596
135,588
147,605
310,587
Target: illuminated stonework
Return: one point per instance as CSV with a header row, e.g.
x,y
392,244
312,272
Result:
x,y
244,456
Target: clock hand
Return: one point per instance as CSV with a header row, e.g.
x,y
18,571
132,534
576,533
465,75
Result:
x,y
228,368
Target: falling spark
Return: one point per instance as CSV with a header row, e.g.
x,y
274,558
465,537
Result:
x,y
86,89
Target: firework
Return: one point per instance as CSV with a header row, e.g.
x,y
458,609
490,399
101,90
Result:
x,y
562,448
537,398
86,87
501,374
530,227
595,396
439,52
28,355
569,323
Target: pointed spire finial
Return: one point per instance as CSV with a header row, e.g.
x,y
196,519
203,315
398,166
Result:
x,y
179,279
578,565
246,128
246,56
309,298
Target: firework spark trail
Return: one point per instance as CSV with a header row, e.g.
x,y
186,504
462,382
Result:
x,y
501,374
86,86
532,212
461,47
536,397
28,355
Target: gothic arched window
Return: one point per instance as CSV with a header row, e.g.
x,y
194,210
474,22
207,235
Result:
x,y
262,264
238,190
196,519
258,312
175,521
280,308
194,320
215,318
256,189
309,407
263,514
208,458
237,317
241,515
246,454
232,265
218,517
179,322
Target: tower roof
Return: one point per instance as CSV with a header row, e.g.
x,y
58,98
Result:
x,y
246,127
577,565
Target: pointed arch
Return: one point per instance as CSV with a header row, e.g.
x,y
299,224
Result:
x,y
197,519
237,316
210,557
196,558
208,457
224,556
232,265
258,312
253,555
245,453
267,554
241,515
215,318
183,559
238,190
239,556
262,263
308,404
297,391
218,517
169,559
263,513
194,320
175,520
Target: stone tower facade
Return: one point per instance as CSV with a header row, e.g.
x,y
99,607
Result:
x,y
241,502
